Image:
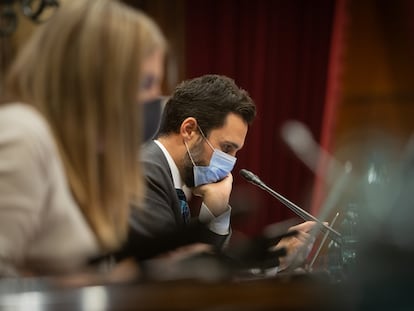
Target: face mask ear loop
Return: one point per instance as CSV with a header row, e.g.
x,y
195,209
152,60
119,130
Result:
x,y
202,134
189,153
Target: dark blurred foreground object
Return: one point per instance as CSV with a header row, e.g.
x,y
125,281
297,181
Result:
x,y
383,277
36,10
237,260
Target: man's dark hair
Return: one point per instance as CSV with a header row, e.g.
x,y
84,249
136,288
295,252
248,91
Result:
x,y
209,99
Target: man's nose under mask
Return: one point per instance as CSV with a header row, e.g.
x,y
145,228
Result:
x,y
221,164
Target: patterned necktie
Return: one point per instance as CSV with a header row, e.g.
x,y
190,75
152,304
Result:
x,y
185,210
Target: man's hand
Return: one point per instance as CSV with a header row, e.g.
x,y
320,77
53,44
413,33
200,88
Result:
x,y
216,195
298,246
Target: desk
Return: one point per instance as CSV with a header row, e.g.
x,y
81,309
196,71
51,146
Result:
x,y
299,293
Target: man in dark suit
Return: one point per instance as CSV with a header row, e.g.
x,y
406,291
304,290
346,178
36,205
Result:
x,y
205,116
204,125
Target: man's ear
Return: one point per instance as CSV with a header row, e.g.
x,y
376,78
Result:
x,y
189,129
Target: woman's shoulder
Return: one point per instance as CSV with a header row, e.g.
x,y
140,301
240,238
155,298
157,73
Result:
x,y
21,116
22,122
25,134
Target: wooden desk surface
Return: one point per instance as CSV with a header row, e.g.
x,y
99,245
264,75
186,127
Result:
x,y
265,294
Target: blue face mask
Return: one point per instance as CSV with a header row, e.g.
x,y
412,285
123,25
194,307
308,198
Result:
x,y
221,164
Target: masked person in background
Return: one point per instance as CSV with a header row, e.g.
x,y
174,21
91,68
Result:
x,y
203,126
70,135
149,94
151,111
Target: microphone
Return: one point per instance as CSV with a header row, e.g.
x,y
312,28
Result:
x,y
254,179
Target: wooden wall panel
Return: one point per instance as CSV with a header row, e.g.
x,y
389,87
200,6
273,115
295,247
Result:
x,y
378,79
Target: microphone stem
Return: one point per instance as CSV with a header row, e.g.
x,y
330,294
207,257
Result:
x,y
300,212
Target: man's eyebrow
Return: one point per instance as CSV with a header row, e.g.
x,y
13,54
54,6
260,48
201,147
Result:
x,y
233,144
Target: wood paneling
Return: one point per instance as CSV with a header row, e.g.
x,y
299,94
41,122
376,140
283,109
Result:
x,y
378,76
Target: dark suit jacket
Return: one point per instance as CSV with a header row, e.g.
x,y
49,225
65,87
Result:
x,y
161,212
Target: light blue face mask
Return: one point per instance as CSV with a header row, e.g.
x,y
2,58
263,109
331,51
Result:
x,y
221,164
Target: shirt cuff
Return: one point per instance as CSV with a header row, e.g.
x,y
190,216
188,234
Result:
x,y
220,224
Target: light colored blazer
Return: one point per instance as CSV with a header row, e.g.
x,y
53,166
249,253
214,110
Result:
x,y
41,227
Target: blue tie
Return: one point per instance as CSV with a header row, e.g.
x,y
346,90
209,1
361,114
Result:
x,y
185,210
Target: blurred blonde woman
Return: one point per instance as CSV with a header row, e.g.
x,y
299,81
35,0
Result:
x,y
69,135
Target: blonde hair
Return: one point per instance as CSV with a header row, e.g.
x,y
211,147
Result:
x,y
82,72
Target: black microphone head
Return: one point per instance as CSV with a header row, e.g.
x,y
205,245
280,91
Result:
x,y
244,173
249,176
